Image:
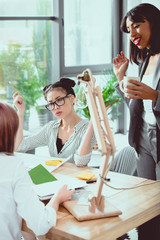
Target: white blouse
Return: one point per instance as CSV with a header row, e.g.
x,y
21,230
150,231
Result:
x,y
48,136
148,115
18,200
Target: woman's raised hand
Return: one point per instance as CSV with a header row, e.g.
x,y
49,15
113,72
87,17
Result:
x,y
19,103
120,65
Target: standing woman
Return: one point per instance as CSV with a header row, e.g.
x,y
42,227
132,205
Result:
x,y
63,135
17,198
142,23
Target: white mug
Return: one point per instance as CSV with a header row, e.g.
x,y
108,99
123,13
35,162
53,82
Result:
x,y
125,82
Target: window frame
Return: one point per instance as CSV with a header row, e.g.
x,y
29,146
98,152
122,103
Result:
x,y
58,68
55,31
98,68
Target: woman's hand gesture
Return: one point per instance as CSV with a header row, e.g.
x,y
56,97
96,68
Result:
x,y
120,65
19,103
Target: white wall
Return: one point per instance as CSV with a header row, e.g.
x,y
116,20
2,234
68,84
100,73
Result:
x,y
133,3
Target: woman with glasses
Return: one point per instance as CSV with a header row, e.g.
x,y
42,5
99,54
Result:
x,y
63,135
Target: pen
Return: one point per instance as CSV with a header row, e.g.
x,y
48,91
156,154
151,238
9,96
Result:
x,y
91,181
94,180
107,106
12,86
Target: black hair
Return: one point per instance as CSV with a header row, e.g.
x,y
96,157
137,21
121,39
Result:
x,y
66,84
141,13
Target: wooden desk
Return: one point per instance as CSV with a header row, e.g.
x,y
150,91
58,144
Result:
x,y
137,205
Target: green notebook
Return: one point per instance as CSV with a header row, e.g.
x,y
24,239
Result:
x,y
39,175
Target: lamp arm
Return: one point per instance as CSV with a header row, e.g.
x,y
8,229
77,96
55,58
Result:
x,y
102,132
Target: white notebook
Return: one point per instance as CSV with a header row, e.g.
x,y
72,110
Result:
x,y
47,190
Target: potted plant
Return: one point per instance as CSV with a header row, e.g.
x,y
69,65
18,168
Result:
x,y
30,83
109,96
42,114
29,90
27,76
40,103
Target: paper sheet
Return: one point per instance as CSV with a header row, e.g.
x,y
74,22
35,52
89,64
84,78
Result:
x,y
32,160
40,175
47,190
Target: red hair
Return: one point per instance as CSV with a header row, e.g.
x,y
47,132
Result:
x,y
9,123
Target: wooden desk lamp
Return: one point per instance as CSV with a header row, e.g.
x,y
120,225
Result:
x,y
99,206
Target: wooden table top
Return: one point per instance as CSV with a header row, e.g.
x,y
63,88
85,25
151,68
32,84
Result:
x,y
137,205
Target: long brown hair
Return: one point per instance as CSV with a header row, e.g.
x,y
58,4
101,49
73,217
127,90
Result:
x,y
9,123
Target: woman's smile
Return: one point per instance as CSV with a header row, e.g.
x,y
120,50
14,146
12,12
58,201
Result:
x,y
137,41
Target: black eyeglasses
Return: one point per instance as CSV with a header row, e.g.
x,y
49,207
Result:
x,y
58,102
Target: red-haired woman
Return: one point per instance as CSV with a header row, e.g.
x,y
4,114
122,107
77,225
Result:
x,y
17,198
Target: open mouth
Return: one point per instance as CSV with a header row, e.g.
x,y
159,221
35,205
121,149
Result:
x,y
137,41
